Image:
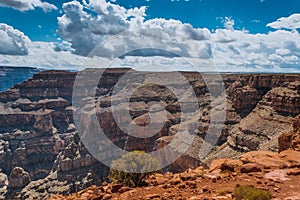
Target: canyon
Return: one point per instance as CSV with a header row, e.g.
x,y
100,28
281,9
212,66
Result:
x,y
42,151
274,172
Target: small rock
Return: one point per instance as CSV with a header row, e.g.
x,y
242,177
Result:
x,y
57,197
205,189
3,180
168,175
181,186
188,176
152,196
160,180
191,184
175,181
107,197
115,187
124,189
250,167
294,172
195,197
214,176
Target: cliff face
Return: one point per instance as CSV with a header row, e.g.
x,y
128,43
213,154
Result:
x,y
291,138
277,173
38,134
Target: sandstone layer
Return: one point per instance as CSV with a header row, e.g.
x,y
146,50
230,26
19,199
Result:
x,y
38,132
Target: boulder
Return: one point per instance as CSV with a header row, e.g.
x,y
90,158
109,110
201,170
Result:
x,y
19,178
272,160
250,167
3,180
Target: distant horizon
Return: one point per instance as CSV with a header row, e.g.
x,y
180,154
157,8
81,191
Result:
x,y
204,72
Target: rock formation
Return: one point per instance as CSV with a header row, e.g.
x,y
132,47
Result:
x,y
277,173
38,132
291,139
18,178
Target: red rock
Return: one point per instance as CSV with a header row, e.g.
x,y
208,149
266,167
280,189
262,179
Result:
x,y
214,176
107,197
199,197
57,197
175,180
152,196
205,189
181,186
124,189
185,176
272,160
225,165
160,180
191,184
291,139
294,172
277,175
250,167
115,187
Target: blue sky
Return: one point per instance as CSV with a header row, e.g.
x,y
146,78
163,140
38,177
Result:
x,y
252,15
235,35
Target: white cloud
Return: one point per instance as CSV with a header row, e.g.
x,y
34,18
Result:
x,y
279,49
25,5
255,21
42,55
12,41
228,23
292,22
85,30
122,30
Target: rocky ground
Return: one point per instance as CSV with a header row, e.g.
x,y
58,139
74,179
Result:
x,y
278,173
41,152
216,183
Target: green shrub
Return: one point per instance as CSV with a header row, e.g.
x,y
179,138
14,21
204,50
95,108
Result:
x,y
250,193
222,193
133,168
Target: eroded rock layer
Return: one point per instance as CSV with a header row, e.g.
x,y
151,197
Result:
x,y
38,133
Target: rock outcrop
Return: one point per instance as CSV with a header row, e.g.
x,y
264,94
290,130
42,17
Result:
x,y
277,173
291,139
18,178
38,131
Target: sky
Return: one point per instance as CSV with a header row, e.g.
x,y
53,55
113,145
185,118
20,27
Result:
x,y
235,35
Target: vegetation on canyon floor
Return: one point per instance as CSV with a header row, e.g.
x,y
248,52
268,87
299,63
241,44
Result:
x,y
246,192
133,168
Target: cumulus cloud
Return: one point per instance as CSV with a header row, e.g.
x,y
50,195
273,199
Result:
x,y
25,5
292,22
276,50
157,44
43,55
85,30
12,41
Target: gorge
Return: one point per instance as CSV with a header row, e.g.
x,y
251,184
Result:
x,y
41,152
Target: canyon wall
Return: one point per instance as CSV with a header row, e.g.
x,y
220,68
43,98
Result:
x,y
39,138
